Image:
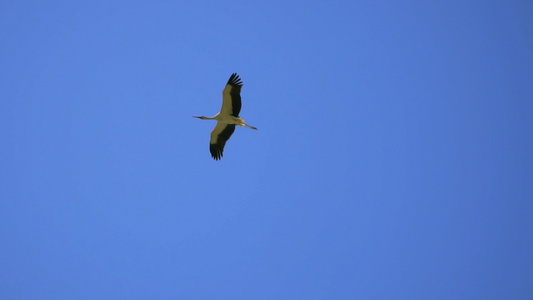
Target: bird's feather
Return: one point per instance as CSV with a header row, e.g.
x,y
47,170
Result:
x,y
231,96
219,136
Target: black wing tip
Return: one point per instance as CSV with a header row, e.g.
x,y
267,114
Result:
x,y
235,80
216,152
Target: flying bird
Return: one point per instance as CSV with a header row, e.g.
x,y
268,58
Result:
x,y
227,118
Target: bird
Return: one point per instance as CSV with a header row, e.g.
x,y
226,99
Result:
x,y
227,118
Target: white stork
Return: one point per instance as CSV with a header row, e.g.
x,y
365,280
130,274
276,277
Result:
x,y
227,118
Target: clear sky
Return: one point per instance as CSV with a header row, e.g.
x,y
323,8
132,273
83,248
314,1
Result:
x,y
393,158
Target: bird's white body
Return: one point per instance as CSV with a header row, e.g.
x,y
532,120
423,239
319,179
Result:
x,y
227,118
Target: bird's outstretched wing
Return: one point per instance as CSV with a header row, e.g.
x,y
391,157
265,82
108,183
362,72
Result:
x,y
231,96
219,136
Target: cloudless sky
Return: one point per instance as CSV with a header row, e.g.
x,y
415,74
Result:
x,y
393,158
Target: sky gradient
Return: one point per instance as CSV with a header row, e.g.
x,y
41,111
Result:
x,y
392,158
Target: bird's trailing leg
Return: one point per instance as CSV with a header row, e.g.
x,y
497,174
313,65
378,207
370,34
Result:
x,y
251,127
240,122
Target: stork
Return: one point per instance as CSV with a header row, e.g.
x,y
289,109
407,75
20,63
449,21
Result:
x,y
227,118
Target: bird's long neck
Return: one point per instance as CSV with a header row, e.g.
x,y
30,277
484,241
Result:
x,y
206,118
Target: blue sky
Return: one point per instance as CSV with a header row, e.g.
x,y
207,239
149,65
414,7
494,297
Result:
x,y
392,161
